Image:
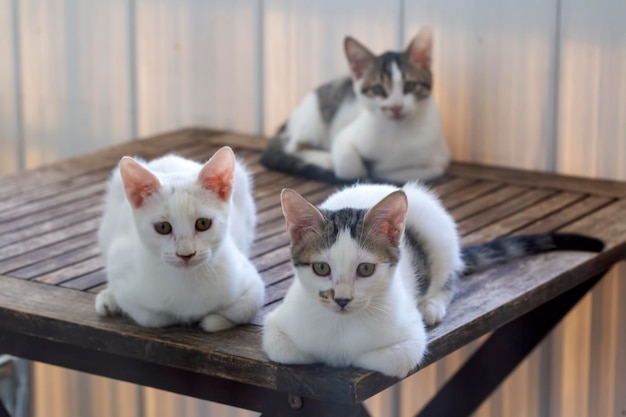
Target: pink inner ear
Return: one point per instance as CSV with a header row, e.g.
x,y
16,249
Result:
x,y
359,57
420,49
139,183
301,216
388,216
221,185
217,173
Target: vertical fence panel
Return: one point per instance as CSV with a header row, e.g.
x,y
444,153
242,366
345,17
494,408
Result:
x,y
74,77
494,66
196,64
9,100
304,46
592,142
494,70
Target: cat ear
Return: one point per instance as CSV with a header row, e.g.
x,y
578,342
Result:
x,y
359,57
139,182
302,217
421,47
388,216
217,173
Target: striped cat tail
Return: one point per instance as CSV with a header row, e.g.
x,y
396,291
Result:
x,y
484,255
274,157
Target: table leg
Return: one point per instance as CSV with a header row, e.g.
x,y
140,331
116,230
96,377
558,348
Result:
x,y
505,349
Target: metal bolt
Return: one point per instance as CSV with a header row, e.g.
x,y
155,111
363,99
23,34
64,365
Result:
x,y
294,401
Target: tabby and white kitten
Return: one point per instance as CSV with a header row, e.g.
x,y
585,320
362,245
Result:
x,y
175,237
382,123
372,266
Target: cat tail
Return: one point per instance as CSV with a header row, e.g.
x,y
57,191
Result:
x,y
478,257
274,157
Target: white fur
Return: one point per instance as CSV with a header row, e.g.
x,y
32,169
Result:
x,y
410,148
381,328
147,281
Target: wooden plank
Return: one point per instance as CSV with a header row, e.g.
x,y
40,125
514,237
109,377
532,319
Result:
x,y
148,148
71,271
470,193
47,239
506,208
452,185
518,220
68,317
566,215
15,237
55,263
487,201
49,214
31,256
94,279
604,188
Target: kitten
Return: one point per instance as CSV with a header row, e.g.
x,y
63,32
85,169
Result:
x,y
372,265
175,236
382,123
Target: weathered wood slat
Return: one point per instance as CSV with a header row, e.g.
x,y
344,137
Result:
x,y
32,257
603,188
566,215
49,218
513,206
469,193
58,262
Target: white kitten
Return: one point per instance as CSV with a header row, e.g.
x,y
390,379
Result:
x,y
175,237
372,266
354,298
382,123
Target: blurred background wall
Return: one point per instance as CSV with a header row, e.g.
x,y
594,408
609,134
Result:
x,y
538,84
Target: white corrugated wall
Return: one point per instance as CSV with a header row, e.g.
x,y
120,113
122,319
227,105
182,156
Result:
x,y
538,84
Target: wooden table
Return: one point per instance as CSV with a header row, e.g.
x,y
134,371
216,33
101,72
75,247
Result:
x,y
50,271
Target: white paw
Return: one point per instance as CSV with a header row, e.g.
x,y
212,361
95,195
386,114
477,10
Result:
x,y
106,305
279,348
215,323
396,360
433,311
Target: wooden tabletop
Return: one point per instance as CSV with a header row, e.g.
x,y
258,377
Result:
x,y
51,269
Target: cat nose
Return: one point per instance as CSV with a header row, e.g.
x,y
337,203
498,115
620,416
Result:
x,y
187,257
342,302
396,110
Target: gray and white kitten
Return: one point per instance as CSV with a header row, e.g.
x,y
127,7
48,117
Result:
x,y
381,123
373,265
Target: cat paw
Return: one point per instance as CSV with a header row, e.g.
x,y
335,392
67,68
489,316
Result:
x,y
433,311
215,323
106,305
279,348
396,360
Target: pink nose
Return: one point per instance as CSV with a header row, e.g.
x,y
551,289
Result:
x,y
395,110
187,257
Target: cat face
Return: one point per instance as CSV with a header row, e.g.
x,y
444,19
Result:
x,y
393,83
181,220
345,258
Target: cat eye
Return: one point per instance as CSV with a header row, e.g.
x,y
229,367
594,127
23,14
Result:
x,y
163,228
379,90
409,87
365,269
321,268
203,224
